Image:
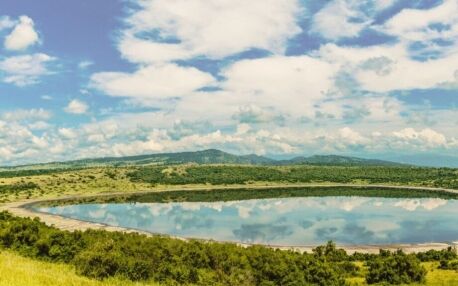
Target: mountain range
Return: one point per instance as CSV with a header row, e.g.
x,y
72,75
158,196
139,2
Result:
x,y
210,156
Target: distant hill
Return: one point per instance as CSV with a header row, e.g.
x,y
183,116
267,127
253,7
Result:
x,y
338,160
210,156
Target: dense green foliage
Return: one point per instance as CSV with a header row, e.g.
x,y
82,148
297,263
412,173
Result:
x,y
438,255
395,268
439,177
248,194
448,265
102,254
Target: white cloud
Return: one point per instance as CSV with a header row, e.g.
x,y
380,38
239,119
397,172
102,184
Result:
x,y
334,21
76,107
19,144
413,204
143,51
289,84
67,133
370,108
415,24
26,114
150,133
383,4
214,29
39,125
6,22
349,136
22,36
24,70
346,18
158,81
136,147
386,68
430,33
424,138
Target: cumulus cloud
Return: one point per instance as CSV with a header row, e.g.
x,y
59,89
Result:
x,y
145,134
291,84
389,67
158,81
337,20
76,106
26,114
346,18
25,70
22,36
67,133
196,27
255,114
438,23
19,144
425,137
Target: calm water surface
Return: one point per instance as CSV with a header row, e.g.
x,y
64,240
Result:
x,y
286,221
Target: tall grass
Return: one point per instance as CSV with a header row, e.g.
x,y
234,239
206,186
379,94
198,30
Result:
x,y
19,271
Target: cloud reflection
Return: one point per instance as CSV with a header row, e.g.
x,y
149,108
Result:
x,y
287,221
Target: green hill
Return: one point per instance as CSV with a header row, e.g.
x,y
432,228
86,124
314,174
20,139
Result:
x,y
210,156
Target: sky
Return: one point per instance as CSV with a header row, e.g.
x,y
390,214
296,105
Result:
x,y
89,78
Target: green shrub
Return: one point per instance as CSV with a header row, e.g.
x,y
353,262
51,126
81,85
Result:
x,y
395,268
101,254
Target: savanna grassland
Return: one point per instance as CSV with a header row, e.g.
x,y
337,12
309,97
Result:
x,y
52,183
36,254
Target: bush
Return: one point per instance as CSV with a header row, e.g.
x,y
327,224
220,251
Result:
x,y
101,254
437,255
395,268
448,265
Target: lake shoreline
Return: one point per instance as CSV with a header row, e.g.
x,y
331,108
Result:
x,y
23,209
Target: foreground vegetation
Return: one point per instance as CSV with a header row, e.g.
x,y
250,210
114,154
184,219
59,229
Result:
x,y
119,256
16,270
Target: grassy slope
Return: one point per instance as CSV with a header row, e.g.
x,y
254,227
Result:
x,y
19,271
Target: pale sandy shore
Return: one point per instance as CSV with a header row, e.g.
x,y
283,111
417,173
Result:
x,y
21,209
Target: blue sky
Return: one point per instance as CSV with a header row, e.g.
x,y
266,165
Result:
x,y
280,78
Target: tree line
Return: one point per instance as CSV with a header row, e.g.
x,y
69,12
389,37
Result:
x,y
230,174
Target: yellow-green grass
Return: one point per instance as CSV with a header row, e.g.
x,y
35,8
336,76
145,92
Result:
x,y
434,277
98,180
19,271
438,277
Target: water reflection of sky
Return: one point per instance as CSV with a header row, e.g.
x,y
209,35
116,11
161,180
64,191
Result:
x,y
287,221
